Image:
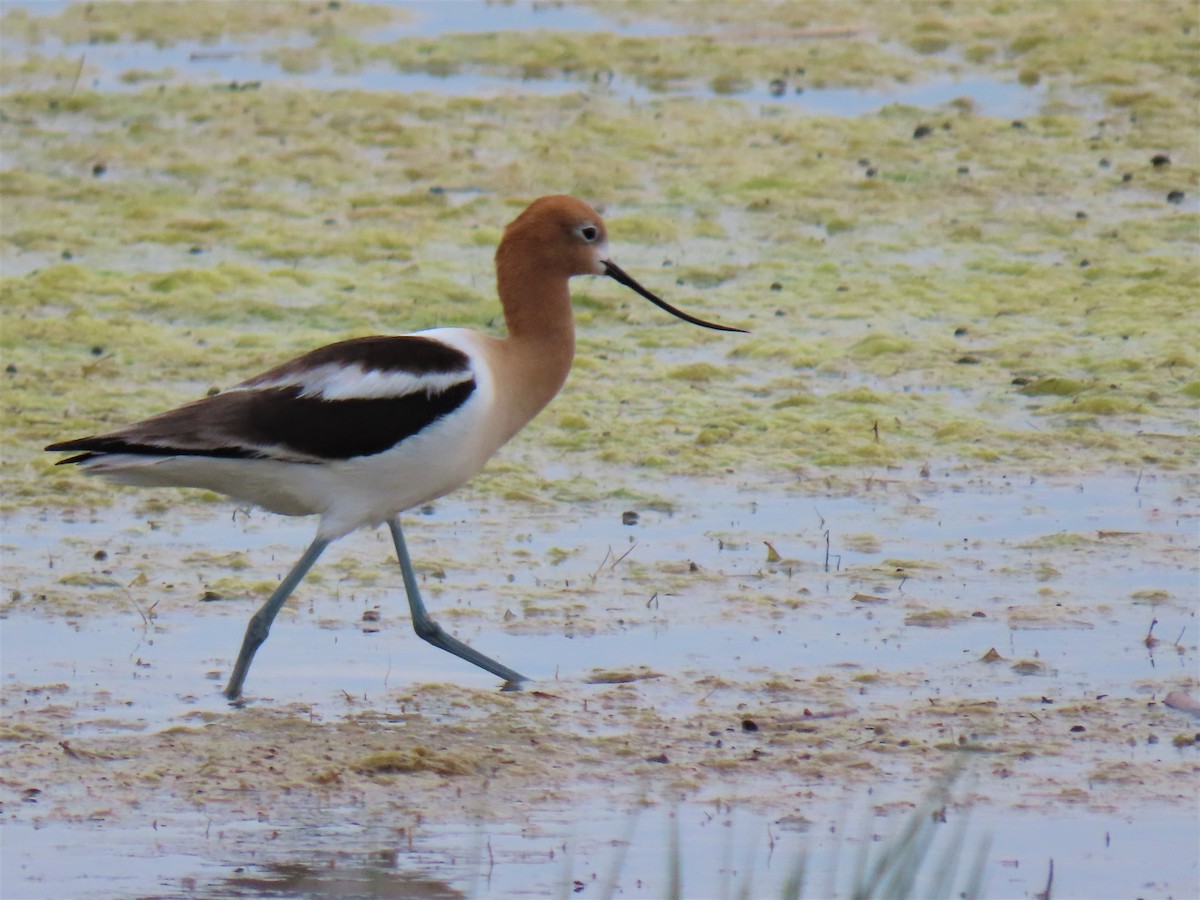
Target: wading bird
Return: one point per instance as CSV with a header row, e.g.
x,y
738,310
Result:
x,y
361,430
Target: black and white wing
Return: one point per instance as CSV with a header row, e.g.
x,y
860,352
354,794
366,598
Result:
x,y
349,399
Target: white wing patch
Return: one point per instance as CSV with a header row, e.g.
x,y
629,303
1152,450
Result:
x,y
333,381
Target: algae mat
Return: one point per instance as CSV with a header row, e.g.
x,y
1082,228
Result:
x,y
964,238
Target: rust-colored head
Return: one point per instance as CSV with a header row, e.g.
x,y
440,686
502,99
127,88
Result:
x,y
559,237
556,234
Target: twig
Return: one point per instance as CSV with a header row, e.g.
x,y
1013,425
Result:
x,y
623,555
1045,895
78,74
607,554
145,618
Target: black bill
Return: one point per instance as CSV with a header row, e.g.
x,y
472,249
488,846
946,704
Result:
x,y
616,273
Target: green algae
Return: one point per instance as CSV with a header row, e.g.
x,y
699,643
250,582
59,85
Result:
x,y
1055,386
146,20
290,217
656,63
416,759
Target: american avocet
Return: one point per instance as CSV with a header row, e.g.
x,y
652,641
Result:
x,y
360,431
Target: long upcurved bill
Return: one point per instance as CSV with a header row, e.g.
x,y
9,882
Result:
x,y
616,273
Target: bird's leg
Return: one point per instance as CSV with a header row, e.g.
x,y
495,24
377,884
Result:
x,y
431,631
260,622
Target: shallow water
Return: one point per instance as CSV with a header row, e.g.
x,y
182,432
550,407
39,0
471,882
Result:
x,y
1094,858
241,62
984,539
979,541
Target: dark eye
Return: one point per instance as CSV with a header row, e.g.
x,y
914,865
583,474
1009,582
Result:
x,y
589,232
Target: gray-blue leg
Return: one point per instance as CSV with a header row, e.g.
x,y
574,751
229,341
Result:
x,y
431,631
260,622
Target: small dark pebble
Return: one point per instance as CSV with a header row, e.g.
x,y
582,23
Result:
x,y
629,517
661,758
1080,214
1084,263
100,555
749,725
97,351
864,163
210,597
960,330
195,251
1017,123
1076,729
1020,381
1104,163
922,131
776,286
872,172
968,360
964,170
779,313
67,254
437,189
1160,159
99,169
213,391
1175,197
10,369
1127,177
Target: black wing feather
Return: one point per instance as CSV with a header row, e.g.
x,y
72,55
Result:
x,y
267,422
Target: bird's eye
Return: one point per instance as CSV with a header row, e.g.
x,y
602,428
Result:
x,y
589,232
